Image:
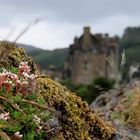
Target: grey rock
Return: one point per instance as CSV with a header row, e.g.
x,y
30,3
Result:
x,y
104,106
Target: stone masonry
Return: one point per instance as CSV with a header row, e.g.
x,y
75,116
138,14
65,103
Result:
x,y
91,56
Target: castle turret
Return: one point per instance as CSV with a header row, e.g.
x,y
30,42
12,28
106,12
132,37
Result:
x,y
86,37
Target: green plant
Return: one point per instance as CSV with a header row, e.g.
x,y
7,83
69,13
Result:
x,y
99,86
82,91
90,92
103,83
21,107
128,110
68,83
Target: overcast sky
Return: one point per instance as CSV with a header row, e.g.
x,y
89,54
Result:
x,y
65,19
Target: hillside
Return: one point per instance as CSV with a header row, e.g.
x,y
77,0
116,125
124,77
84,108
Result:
x,y
130,42
44,58
121,107
29,48
131,37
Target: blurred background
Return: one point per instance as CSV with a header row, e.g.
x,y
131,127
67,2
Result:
x,y
89,46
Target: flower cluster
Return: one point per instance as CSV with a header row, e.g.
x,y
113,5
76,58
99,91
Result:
x,y
17,134
23,81
37,120
4,116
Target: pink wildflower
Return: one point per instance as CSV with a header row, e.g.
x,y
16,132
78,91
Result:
x,y
22,87
23,90
24,68
4,116
12,76
23,82
18,84
7,85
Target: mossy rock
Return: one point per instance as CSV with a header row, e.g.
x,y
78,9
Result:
x,y
76,120
11,55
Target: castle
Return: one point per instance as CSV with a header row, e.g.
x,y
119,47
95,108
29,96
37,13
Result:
x,y
91,56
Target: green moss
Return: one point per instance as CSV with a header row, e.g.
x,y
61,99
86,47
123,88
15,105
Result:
x,y
77,121
11,55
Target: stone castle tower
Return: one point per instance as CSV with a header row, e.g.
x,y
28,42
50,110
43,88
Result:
x,y
91,56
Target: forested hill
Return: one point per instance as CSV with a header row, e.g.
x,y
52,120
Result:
x,y
44,58
131,37
29,48
131,43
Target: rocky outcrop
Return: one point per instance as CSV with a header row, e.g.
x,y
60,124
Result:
x,y
76,119
71,118
121,107
11,55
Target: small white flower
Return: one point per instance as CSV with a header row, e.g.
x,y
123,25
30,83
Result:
x,y
24,83
36,119
26,75
4,116
18,134
8,82
13,76
24,67
23,63
32,76
40,127
18,81
4,70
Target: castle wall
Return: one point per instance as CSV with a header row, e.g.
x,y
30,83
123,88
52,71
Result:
x,y
85,66
91,56
113,65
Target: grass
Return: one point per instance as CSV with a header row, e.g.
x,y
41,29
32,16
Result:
x,y
23,114
128,110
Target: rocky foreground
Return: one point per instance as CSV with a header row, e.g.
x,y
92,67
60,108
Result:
x,y
54,112
69,118
122,109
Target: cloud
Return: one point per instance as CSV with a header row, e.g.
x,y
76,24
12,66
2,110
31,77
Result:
x,y
50,35
75,11
65,19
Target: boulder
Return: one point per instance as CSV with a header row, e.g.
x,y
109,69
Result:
x,y
121,107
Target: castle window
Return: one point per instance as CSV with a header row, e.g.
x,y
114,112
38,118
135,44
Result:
x,y
85,65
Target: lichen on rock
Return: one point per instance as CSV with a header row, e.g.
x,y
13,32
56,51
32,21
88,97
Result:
x,y
11,55
75,120
121,107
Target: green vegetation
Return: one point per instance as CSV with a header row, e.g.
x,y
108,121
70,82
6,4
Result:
x,y
77,120
44,58
90,92
72,119
22,110
130,42
127,112
131,38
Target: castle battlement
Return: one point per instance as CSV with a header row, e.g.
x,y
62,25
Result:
x,y
92,55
